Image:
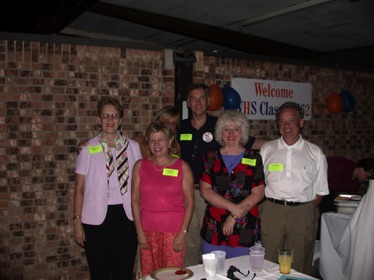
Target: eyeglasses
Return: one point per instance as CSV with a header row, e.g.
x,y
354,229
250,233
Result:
x,y
114,117
195,149
232,269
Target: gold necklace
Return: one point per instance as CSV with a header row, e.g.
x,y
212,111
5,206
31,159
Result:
x,y
163,166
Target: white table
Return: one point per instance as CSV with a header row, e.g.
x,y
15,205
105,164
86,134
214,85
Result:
x,y
347,242
331,263
269,272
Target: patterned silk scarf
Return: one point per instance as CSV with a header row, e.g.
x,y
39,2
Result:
x,y
121,144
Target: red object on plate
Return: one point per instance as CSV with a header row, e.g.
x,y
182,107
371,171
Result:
x,y
181,272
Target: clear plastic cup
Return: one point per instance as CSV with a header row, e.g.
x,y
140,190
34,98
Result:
x,y
221,255
257,257
210,263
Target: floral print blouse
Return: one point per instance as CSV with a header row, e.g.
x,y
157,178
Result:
x,y
235,187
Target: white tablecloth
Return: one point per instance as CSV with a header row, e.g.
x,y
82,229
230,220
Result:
x,y
347,242
269,272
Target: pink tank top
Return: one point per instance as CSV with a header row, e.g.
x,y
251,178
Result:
x,y
161,197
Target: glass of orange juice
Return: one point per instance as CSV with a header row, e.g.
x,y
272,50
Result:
x,y
285,257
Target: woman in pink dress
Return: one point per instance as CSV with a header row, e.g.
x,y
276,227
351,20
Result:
x,y
162,202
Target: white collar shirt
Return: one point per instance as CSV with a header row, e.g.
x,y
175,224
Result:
x,y
294,173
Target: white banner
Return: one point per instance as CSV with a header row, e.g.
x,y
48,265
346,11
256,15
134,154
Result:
x,y
262,98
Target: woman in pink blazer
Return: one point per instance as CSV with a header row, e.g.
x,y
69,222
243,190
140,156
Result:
x,y
103,221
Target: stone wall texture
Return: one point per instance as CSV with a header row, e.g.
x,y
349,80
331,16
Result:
x,y
48,97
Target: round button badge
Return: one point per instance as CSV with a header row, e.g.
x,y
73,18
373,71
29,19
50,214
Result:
x,y
207,137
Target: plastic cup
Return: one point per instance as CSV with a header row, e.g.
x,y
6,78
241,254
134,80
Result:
x,y
210,263
221,255
257,257
285,258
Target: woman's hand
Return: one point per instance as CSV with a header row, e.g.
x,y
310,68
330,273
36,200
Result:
x,y
179,241
238,210
142,240
228,225
82,144
79,235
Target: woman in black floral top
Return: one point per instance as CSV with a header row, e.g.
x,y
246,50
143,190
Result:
x,y
232,183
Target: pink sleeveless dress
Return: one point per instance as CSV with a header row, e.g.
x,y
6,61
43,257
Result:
x,y
162,213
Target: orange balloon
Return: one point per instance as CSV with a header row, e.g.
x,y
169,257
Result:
x,y
216,97
334,103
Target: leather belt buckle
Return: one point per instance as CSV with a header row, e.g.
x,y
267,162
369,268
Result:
x,y
285,202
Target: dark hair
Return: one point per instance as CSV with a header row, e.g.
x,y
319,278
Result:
x,y
290,105
110,100
202,86
366,163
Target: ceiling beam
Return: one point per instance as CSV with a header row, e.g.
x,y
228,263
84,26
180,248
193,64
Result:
x,y
72,11
284,11
358,56
41,17
220,36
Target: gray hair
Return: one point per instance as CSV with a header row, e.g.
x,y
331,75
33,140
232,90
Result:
x,y
232,116
290,105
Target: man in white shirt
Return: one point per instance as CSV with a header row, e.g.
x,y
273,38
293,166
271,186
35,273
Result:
x,y
296,180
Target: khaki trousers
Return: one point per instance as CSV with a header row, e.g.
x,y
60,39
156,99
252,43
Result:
x,y
294,227
192,255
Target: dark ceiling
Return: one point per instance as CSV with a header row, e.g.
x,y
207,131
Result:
x,y
338,33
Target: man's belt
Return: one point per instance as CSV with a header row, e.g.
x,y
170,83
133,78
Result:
x,y
197,186
285,202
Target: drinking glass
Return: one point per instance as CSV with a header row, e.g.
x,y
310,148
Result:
x,y
210,263
256,257
285,258
221,255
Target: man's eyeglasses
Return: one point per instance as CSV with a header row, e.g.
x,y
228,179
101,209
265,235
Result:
x,y
195,149
114,117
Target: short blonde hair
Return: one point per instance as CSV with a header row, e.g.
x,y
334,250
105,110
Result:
x,y
232,116
157,127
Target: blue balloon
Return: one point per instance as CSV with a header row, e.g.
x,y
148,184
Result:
x,y
231,98
348,100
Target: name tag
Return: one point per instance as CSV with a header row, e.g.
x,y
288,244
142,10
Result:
x,y
185,137
275,167
249,161
95,149
170,172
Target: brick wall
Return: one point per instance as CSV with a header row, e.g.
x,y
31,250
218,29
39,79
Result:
x,y
48,96
347,134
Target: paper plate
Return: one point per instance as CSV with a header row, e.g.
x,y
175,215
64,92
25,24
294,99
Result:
x,y
172,273
346,204
348,198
